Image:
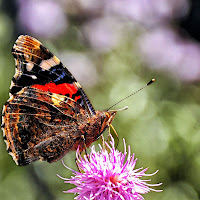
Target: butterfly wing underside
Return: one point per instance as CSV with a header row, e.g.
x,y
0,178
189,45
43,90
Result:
x,y
46,105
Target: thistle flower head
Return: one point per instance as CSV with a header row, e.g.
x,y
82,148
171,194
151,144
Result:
x,y
109,174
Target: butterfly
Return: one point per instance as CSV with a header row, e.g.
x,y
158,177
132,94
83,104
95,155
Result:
x,y
48,114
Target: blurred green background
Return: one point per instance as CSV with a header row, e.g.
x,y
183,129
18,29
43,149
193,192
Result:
x,y
113,48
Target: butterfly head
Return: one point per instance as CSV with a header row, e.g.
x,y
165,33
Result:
x,y
108,117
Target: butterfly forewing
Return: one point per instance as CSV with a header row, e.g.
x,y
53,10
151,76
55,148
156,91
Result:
x,y
37,67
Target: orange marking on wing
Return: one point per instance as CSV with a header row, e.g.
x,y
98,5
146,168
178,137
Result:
x,y
77,97
64,88
28,42
67,88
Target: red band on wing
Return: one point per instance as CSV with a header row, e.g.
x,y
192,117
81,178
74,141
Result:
x,y
64,88
77,97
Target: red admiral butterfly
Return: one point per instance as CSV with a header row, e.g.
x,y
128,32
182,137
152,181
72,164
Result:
x,y
48,114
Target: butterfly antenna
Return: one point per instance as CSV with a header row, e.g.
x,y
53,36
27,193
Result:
x,y
150,82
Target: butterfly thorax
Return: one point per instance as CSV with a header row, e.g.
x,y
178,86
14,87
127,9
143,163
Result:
x,y
92,129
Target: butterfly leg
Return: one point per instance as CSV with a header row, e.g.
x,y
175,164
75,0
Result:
x,y
115,134
85,147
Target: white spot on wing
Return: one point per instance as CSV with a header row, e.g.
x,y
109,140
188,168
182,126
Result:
x,y
4,133
14,158
47,64
29,66
12,84
33,77
3,121
7,144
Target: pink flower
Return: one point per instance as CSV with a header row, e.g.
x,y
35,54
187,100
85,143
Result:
x,y
109,174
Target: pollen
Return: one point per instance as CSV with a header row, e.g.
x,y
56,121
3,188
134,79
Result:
x,y
115,179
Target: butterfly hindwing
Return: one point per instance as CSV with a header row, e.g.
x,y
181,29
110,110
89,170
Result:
x,y
40,125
